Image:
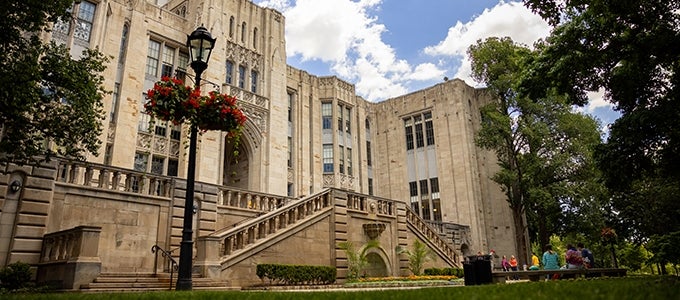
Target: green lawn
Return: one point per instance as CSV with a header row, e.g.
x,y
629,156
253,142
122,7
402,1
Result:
x,y
632,287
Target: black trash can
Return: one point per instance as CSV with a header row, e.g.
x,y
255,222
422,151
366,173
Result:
x,y
477,270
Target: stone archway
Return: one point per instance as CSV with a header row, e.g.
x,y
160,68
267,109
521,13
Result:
x,y
236,164
376,266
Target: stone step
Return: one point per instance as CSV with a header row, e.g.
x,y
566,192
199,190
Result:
x,y
121,282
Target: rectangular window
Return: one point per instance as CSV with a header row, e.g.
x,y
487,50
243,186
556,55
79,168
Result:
x,y
161,129
340,127
143,125
369,157
348,122
370,186
176,132
241,77
423,189
349,161
290,152
173,167
290,190
157,165
420,142
253,81
429,129
434,187
291,97
413,191
328,158
408,126
326,115
83,29
182,65
152,58
437,210
230,73
114,102
168,61
341,158
426,209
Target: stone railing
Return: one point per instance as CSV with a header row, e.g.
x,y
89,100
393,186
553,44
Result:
x,y
216,247
432,236
70,257
233,197
115,179
371,205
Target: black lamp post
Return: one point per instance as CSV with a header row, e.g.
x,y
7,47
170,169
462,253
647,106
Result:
x,y
200,44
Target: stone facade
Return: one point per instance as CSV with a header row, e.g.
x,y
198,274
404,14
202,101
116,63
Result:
x,y
304,134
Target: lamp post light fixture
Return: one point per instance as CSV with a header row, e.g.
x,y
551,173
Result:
x,y
200,44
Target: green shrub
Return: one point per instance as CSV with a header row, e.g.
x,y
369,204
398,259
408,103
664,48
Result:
x,y
445,272
296,274
16,276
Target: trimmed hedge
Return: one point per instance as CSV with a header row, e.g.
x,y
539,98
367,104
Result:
x,y
445,272
296,274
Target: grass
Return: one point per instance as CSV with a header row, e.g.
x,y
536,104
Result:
x,y
632,287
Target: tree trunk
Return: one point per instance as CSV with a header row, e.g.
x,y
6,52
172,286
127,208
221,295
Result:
x,y
521,236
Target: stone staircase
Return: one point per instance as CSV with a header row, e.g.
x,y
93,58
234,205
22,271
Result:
x,y
141,282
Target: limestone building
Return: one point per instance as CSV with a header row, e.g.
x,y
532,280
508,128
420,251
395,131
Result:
x,y
304,132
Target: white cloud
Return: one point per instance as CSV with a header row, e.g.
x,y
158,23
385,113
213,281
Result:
x,y
344,34
510,19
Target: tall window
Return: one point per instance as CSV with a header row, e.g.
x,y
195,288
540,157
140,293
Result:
x,y
326,114
348,120
115,97
164,60
253,81
241,77
243,32
413,193
423,136
348,161
408,127
84,13
436,201
341,159
370,186
231,26
168,61
420,142
290,152
108,154
328,158
369,156
123,43
143,125
230,72
429,129
83,28
255,38
152,58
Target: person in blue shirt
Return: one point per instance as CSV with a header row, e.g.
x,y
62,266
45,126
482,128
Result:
x,y
551,260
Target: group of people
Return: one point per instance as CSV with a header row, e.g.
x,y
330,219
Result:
x,y
575,258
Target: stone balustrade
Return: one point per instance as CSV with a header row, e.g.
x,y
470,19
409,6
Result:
x,y
115,179
70,257
248,233
234,197
432,235
371,205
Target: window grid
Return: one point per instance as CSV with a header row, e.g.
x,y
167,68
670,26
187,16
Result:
x,y
328,158
326,115
241,76
83,28
230,72
253,81
408,127
341,159
348,161
153,57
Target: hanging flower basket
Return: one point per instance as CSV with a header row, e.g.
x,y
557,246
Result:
x,y
219,112
170,100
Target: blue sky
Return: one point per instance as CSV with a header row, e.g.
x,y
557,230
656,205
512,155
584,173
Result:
x,y
391,47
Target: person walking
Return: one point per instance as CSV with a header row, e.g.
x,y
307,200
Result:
x,y
551,261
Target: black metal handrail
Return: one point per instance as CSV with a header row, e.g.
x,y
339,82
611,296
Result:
x,y
173,263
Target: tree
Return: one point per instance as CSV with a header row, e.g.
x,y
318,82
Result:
x,y
544,148
417,257
51,104
357,259
629,49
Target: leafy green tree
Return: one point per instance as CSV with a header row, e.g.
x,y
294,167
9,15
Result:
x,y
629,49
417,257
544,148
51,103
357,259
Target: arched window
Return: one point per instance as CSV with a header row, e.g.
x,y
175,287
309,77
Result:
x,y
123,43
255,38
243,32
231,26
